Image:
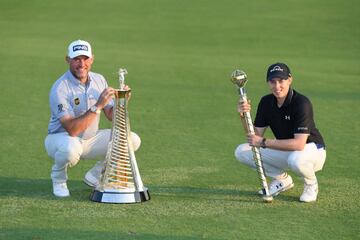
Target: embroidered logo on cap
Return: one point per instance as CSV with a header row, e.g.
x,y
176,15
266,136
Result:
x,y
80,48
277,68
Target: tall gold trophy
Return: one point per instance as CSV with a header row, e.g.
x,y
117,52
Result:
x,y
239,78
120,180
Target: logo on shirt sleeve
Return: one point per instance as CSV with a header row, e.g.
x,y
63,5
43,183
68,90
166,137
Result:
x,y
60,108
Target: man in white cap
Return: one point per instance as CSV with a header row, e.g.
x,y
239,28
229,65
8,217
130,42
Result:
x,y
76,100
298,144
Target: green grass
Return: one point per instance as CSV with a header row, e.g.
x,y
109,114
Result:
x,y
180,55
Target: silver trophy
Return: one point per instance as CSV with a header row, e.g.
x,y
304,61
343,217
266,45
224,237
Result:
x,y
239,78
120,181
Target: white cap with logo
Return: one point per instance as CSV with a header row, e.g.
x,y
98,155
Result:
x,y
79,47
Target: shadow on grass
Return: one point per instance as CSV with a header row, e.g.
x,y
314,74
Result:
x,y
187,189
216,194
212,194
42,189
48,234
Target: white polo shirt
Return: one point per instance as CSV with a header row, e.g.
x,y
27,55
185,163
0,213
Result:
x,y
69,97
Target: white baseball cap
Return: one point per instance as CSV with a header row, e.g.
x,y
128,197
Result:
x,y
79,47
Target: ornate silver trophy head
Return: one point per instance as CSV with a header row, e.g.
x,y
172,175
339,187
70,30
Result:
x,y
239,78
122,72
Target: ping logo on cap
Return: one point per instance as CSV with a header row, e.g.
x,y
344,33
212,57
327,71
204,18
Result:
x,y
276,68
80,48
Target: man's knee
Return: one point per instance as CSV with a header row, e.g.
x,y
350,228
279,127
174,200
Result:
x,y
242,152
136,141
69,152
298,163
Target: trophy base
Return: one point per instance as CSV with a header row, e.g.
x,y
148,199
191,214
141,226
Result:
x,y
120,197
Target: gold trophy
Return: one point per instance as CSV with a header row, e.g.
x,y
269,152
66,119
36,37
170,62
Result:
x,y
239,78
120,180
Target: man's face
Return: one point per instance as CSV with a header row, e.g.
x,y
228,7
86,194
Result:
x,y
280,87
80,66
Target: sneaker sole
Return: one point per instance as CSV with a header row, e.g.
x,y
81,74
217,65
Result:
x,y
90,184
61,196
283,190
307,201
278,192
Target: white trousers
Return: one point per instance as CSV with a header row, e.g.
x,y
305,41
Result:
x,y
67,151
304,163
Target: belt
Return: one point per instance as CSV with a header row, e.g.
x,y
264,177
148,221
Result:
x,y
319,146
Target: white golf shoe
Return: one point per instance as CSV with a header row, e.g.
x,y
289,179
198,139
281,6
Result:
x,y
92,177
279,185
310,193
91,180
61,190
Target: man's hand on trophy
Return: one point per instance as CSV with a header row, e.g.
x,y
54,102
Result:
x,y
243,106
105,97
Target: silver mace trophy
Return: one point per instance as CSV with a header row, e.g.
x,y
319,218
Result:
x,y
120,180
239,78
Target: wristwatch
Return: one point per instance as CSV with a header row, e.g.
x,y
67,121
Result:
x,y
263,144
95,109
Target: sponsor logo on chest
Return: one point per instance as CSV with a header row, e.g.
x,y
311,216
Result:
x,y
77,101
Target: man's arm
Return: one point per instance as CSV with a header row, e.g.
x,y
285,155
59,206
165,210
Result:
x,y
75,126
108,113
260,131
303,110
294,144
